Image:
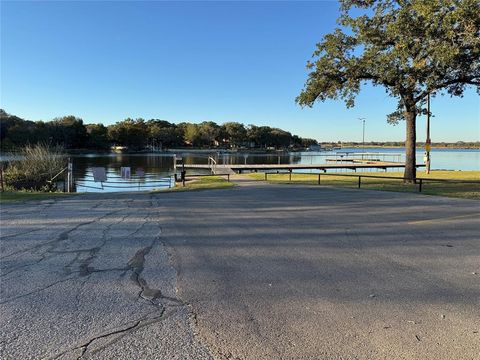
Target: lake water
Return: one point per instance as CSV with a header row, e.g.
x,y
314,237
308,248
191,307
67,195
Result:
x,y
150,171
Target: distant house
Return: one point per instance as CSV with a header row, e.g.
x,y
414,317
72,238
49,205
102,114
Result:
x,y
119,149
314,148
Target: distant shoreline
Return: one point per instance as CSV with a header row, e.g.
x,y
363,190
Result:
x,y
418,147
251,151
247,151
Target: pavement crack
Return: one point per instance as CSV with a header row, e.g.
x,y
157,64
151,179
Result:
x,y
19,234
136,265
61,237
92,270
16,268
121,330
85,346
68,267
85,268
35,291
146,321
51,251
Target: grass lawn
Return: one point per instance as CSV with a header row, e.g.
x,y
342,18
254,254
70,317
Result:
x,y
201,183
20,196
461,190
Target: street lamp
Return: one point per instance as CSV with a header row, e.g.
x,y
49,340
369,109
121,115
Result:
x,y
363,137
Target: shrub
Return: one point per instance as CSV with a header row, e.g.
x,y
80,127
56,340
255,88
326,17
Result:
x,y
35,166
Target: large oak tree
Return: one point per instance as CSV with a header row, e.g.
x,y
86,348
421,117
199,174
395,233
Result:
x,y
412,48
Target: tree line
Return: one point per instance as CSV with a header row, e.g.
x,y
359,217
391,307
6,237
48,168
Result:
x,y
140,134
440,144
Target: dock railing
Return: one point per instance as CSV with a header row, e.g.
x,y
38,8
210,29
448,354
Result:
x,y
364,156
212,163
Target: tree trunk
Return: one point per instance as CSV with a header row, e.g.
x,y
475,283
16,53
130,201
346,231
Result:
x,y
410,142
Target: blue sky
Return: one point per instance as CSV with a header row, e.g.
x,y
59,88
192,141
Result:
x,y
192,61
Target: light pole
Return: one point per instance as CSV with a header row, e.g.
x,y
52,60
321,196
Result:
x,y
428,141
363,137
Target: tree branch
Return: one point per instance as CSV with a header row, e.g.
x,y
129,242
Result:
x,y
465,80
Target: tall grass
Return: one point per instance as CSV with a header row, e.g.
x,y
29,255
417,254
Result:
x,y
35,166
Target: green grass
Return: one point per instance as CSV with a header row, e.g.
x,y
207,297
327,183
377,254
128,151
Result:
x,y
467,191
20,196
202,183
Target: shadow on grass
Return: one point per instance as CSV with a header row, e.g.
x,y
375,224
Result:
x,y
429,186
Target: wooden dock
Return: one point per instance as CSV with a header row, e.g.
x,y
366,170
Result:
x,y
239,168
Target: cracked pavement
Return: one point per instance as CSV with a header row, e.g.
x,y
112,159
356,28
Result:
x,y
259,271
89,277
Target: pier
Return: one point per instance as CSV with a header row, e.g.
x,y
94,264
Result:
x,y
239,168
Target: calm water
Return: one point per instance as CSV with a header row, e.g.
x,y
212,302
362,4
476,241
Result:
x,y
156,170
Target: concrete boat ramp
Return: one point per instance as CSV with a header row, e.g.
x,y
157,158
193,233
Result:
x,y
255,272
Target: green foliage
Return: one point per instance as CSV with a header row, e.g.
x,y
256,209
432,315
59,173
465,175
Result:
x,y
412,48
164,134
259,135
209,132
192,134
308,142
234,133
35,167
68,132
130,133
97,137
138,134
14,131
265,136
204,134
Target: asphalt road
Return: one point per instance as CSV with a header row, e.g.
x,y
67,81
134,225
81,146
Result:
x,y
255,272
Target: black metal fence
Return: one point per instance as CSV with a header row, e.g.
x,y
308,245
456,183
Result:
x,y
419,183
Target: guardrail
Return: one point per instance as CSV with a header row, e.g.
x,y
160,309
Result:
x,y
115,182
418,181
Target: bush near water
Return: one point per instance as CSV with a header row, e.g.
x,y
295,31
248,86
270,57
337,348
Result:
x,y
35,167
